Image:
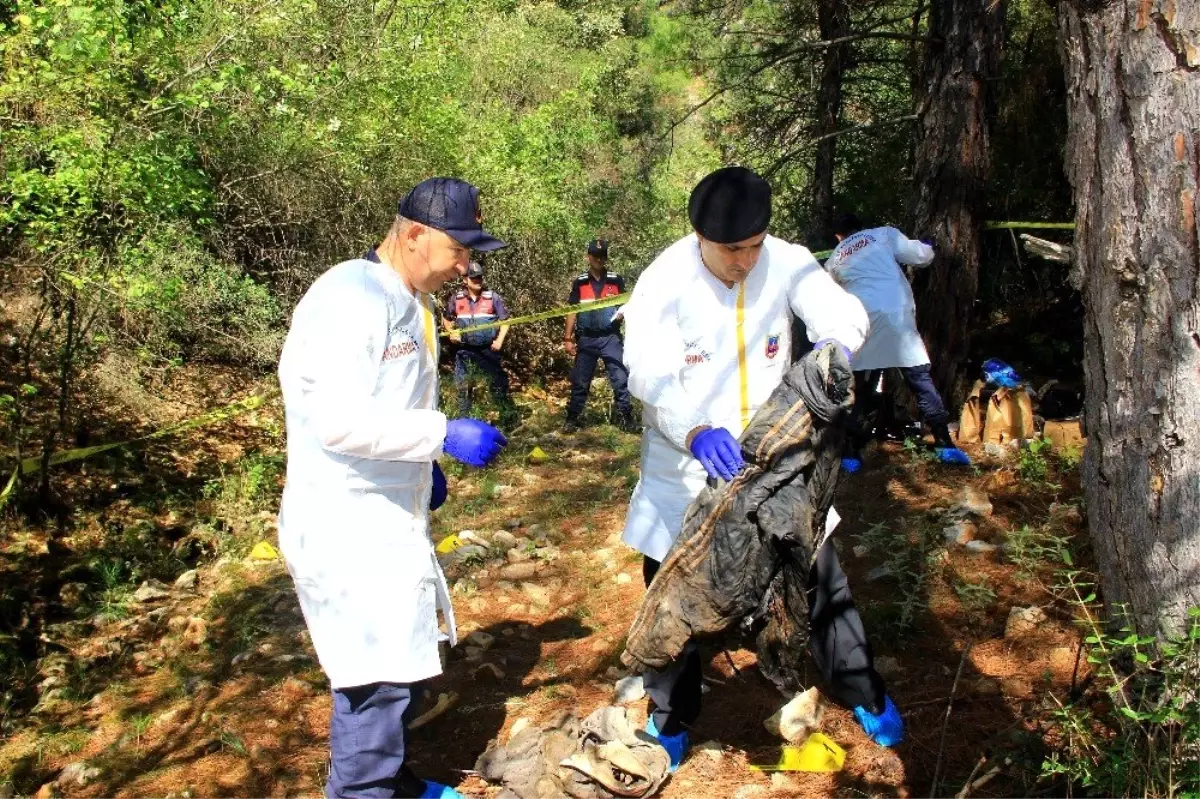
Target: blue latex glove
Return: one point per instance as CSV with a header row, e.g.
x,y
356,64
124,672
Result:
x,y
676,745
927,242
845,349
440,490
435,790
851,465
886,729
719,452
473,442
953,455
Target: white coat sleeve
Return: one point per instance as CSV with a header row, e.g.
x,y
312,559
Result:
x,y
337,363
827,309
908,251
654,356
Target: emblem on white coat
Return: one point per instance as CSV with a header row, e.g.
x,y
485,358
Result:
x,y
404,343
772,345
693,354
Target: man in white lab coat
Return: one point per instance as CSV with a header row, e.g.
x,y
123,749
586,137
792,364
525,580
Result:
x,y
359,379
708,337
867,264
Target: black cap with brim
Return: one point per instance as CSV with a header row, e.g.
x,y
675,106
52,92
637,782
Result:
x,y
730,205
478,239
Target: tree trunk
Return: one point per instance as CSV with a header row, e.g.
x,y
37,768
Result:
x,y
833,18
1133,151
951,170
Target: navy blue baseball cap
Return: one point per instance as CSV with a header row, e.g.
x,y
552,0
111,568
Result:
x,y
451,206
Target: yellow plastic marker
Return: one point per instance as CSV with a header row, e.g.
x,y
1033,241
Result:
x,y
818,753
449,544
538,455
264,551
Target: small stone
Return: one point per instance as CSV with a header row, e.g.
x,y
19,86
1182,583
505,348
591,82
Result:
x,y
629,689
888,666
187,581
981,547
518,725
712,749
150,591
1022,621
779,780
547,553
177,624
750,792
601,645
1015,687
961,532
512,524
517,555
241,658
537,593
997,451
480,639
487,672
799,718
473,654
503,539
472,537
72,594
508,632
505,585
196,632
860,551
518,571
971,501
623,579
77,774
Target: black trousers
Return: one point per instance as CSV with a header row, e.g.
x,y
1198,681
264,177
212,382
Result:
x,y
591,350
838,643
866,402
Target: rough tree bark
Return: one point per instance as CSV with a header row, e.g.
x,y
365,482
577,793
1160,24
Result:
x,y
833,19
1133,152
950,173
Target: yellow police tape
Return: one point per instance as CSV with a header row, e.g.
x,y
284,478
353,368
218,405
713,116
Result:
x,y
32,465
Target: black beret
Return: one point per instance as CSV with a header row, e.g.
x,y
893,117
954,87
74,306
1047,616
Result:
x,y
731,204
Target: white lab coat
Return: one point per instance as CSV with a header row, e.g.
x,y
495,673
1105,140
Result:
x,y
359,379
865,264
700,353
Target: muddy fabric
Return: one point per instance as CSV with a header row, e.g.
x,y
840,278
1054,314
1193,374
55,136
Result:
x,y
747,547
601,757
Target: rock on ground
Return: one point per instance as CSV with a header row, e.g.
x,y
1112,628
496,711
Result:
x,y
799,718
629,689
1022,621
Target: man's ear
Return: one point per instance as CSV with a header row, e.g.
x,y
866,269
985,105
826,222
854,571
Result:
x,y
412,234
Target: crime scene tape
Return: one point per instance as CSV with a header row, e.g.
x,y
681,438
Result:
x,y
1029,225
33,465
542,316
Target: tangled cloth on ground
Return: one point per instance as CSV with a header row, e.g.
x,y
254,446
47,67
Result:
x,y
746,547
601,757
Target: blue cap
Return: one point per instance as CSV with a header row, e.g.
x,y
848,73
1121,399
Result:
x,y
451,206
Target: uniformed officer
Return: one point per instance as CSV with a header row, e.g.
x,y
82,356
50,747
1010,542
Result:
x,y
360,389
596,335
478,352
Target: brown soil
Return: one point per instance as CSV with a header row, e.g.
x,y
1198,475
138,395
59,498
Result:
x,y
245,711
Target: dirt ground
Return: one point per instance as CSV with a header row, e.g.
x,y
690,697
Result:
x,y
213,690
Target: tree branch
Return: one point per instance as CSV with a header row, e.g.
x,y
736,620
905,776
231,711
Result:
x,y
790,154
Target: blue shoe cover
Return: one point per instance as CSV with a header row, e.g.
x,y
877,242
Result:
x,y
953,455
886,729
851,465
676,745
435,790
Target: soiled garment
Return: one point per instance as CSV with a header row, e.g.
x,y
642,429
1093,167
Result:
x,y
600,757
747,547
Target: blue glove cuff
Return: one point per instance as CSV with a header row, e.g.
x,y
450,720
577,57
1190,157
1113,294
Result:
x,y
845,349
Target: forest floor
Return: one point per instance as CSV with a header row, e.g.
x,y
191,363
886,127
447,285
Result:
x,y
124,682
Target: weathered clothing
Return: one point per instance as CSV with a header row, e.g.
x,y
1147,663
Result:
x,y
747,547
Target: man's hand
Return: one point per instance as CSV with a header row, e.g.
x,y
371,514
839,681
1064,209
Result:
x,y
572,349
719,452
440,490
473,442
496,345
